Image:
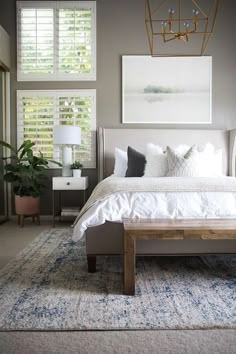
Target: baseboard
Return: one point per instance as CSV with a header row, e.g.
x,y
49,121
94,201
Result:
x,y
42,217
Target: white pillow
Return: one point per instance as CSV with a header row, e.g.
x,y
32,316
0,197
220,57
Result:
x,y
183,165
210,161
181,149
216,167
121,160
156,165
208,147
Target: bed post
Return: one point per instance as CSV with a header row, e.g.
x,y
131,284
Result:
x,y
232,153
91,261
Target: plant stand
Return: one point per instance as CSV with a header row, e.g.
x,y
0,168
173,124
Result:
x,y
21,219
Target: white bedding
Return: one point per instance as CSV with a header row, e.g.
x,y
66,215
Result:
x,y
220,202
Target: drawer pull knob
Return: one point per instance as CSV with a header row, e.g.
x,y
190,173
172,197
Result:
x,y
68,183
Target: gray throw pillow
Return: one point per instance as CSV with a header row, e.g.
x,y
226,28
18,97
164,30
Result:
x,y
136,163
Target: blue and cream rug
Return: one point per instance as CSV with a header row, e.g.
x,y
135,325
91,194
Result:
x,y
47,287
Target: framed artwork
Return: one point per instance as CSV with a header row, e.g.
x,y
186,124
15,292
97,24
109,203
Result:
x,y
171,90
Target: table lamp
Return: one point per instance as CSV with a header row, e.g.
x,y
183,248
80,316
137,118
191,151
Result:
x,y
66,136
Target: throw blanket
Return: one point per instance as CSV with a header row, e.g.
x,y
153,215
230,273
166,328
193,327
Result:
x,y
113,185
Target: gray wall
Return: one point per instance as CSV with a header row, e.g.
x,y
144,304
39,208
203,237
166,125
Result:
x,y
121,31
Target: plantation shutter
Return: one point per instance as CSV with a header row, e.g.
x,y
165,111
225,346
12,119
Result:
x,y
36,112
76,39
80,110
39,111
35,37
56,40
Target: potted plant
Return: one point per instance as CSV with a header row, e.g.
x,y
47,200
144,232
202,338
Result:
x,y
26,172
76,168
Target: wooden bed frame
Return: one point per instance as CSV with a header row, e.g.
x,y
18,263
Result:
x,y
107,239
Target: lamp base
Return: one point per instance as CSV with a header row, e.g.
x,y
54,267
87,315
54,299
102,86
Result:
x,y
66,161
66,172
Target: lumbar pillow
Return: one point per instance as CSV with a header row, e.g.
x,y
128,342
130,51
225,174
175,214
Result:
x,y
121,160
183,166
136,163
157,164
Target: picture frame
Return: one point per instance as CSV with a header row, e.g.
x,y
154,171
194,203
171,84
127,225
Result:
x,y
170,90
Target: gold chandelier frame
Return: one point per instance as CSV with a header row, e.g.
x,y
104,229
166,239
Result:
x,y
180,27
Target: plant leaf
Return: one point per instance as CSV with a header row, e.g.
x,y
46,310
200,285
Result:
x,y
56,162
10,177
3,143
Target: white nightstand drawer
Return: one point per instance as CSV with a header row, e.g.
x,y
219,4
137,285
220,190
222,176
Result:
x,y
69,183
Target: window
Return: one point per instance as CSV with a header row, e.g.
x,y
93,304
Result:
x,y
39,110
56,40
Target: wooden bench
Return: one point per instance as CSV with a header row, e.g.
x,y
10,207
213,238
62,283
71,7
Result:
x,y
169,229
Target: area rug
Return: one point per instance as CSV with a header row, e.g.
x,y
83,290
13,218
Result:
x,y
47,287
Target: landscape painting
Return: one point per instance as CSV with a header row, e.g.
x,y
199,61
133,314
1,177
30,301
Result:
x,y
173,90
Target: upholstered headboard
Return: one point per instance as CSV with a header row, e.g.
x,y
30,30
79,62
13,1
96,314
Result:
x,y
108,139
232,152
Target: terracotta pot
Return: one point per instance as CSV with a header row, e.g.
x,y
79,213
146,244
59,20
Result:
x,y
27,205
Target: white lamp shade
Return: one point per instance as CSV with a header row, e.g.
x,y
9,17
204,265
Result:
x,y
66,135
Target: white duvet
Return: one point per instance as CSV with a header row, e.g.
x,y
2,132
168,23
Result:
x,y
115,206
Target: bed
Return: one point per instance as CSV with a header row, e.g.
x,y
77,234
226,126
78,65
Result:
x,y
118,198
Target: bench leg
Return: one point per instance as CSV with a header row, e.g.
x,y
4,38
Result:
x,y
129,264
91,260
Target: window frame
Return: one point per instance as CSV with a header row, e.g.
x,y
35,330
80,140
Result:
x,y
56,75
56,94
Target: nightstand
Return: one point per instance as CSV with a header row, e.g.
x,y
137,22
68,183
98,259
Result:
x,y
67,184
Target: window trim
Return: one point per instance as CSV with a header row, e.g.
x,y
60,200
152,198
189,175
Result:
x,y
54,93
56,76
